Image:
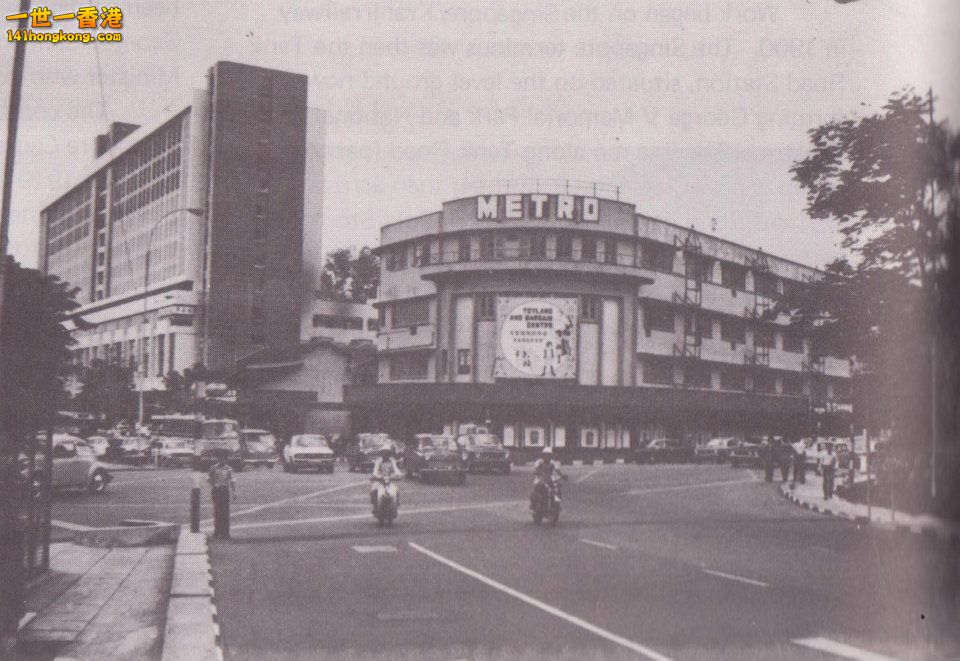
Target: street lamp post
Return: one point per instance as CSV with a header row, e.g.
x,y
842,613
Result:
x,y
144,373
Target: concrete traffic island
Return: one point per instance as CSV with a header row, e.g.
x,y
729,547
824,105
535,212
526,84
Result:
x,y
191,632
130,532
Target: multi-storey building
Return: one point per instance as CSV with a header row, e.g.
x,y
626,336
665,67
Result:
x,y
184,238
576,321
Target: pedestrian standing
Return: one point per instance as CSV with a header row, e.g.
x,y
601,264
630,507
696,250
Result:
x,y
766,457
799,467
783,458
828,466
222,491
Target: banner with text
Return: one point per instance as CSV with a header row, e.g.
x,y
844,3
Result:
x,y
537,338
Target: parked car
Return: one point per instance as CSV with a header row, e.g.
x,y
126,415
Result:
x,y
434,455
173,452
746,454
484,452
74,466
258,448
663,450
363,453
100,445
135,449
308,451
716,449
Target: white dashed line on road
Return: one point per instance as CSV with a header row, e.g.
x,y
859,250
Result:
x,y
294,499
547,608
683,487
592,542
384,548
590,474
840,649
734,577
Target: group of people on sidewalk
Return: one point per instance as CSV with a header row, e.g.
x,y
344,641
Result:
x,y
776,453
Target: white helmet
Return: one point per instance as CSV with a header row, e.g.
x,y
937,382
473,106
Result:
x,y
548,451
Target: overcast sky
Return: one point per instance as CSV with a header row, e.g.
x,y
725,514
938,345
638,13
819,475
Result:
x,y
696,112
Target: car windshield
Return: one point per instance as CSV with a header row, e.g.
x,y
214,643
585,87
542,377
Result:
x,y
717,443
374,442
219,429
310,442
438,443
260,441
483,440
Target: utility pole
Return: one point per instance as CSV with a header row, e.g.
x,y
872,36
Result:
x,y
935,329
11,552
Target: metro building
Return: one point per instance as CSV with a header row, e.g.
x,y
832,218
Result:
x,y
576,321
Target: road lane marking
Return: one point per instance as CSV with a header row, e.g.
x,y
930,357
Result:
x,y
294,499
682,487
71,526
354,517
840,649
590,473
547,608
609,547
375,549
734,577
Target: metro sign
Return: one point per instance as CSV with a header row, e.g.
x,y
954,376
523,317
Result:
x,y
538,206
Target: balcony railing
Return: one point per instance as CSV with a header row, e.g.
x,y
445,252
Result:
x,y
526,254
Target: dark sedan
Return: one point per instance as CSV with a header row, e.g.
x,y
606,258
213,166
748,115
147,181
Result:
x,y
484,452
747,454
434,455
258,448
364,452
663,450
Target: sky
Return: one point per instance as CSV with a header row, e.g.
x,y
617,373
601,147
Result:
x,y
695,110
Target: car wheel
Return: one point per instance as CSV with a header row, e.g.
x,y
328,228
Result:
x,y
98,482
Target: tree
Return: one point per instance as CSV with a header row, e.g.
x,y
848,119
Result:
x,y
346,277
181,387
108,391
889,180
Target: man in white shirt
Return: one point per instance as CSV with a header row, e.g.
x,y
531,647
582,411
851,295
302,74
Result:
x,y
828,466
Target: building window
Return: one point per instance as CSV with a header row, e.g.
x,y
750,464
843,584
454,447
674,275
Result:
x,y
373,325
170,358
763,336
589,437
487,246
792,385
792,341
564,247
421,254
732,378
704,325
464,366
591,309
610,252
588,249
415,312
161,346
658,316
442,369
764,381
656,256
765,284
382,316
732,331
658,370
699,268
463,249
486,307
733,276
401,258
409,366
391,260
697,375
538,246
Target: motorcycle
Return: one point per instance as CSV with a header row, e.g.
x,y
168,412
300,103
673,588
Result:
x,y
546,502
388,503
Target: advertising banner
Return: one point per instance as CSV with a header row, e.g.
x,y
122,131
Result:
x,y
536,338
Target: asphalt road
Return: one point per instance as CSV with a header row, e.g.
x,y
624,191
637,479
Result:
x,y
659,562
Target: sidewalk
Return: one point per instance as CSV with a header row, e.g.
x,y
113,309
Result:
x,y
98,603
810,496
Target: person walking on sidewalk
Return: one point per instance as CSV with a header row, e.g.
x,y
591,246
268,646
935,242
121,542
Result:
x,y
222,490
828,466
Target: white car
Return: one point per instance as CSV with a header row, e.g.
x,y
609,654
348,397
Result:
x,y
174,452
716,449
99,444
74,466
308,451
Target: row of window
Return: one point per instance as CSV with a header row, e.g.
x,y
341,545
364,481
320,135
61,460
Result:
x,y
341,322
68,239
569,246
126,353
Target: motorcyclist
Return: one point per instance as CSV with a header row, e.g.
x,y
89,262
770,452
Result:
x,y
384,467
544,472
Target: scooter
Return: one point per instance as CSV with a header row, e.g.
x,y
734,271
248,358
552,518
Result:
x,y
388,503
546,502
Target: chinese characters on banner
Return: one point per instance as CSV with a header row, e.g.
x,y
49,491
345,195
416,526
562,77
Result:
x,y
537,338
